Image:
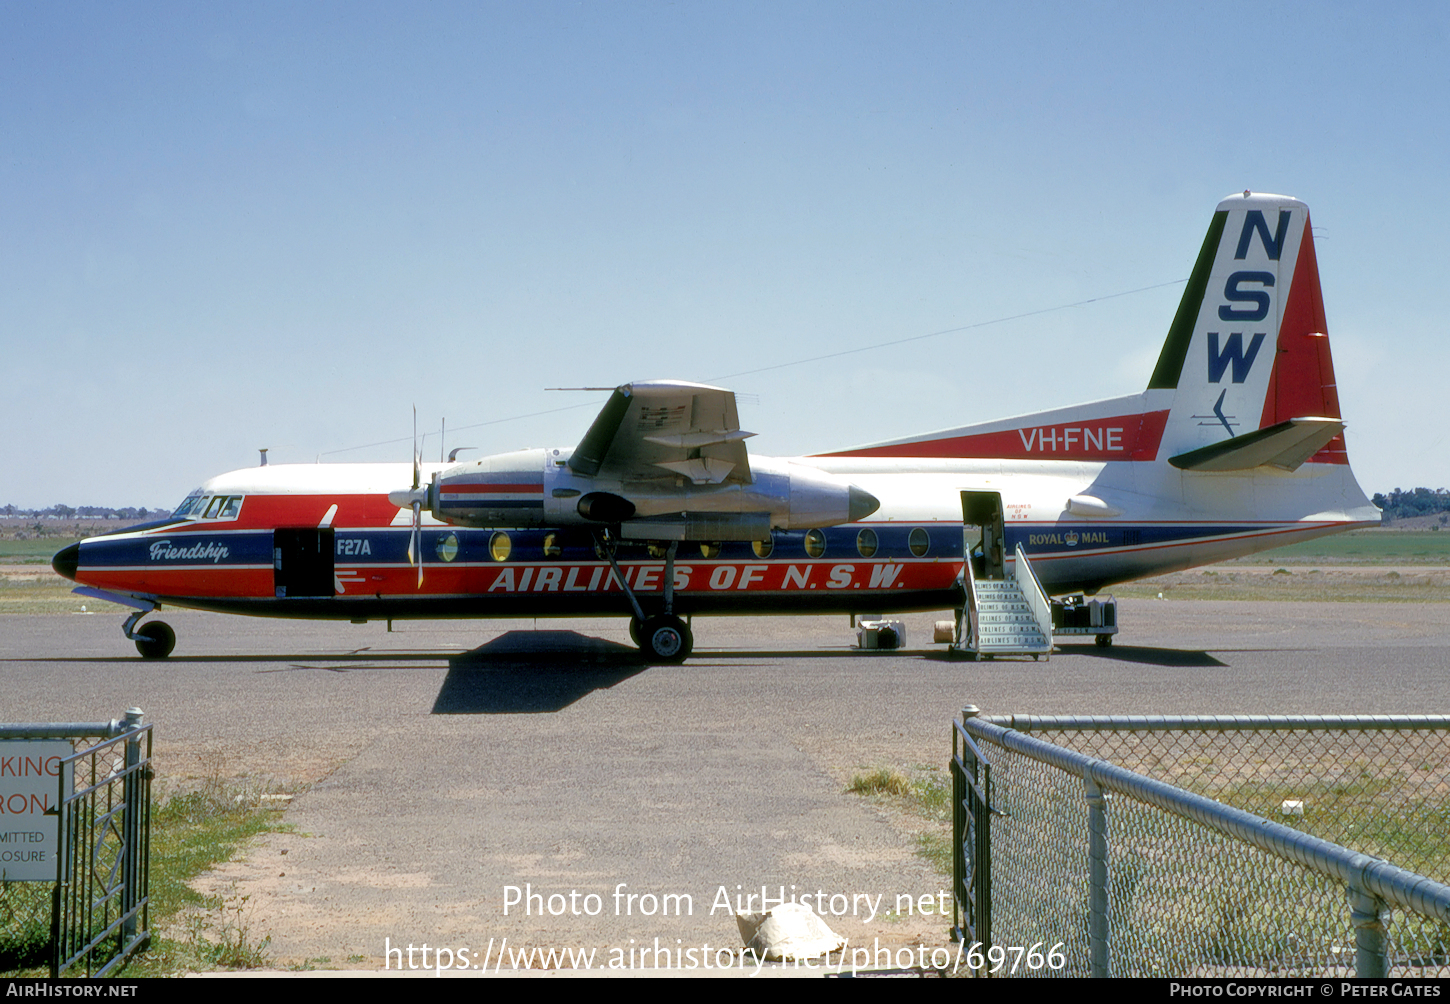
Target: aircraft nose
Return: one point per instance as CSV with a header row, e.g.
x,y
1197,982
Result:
x,y
66,561
861,504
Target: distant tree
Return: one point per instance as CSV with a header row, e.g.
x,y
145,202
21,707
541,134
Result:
x,y
1401,504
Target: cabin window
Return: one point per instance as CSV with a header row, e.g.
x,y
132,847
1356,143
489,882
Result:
x,y
499,546
658,549
919,542
709,550
447,547
552,548
866,543
763,548
815,543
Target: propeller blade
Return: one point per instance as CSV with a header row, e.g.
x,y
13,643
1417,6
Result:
x,y
413,549
415,541
417,454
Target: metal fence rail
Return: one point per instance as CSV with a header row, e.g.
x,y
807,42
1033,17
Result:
x,y
1133,875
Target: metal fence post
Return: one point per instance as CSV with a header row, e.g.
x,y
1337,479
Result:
x,y
1366,914
960,890
1099,947
133,792
972,840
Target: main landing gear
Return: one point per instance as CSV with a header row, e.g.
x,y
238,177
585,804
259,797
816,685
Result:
x,y
661,638
665,638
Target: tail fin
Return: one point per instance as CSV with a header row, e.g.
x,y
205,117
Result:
x,y
1244,379
1247,357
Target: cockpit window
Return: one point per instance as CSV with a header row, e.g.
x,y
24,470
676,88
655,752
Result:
x,y
202,506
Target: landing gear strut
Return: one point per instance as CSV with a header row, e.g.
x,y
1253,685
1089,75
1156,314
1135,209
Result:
x,y
662,638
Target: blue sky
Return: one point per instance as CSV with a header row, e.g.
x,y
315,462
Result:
x,y
223,228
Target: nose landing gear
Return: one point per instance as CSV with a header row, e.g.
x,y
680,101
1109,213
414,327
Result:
x,y
155,640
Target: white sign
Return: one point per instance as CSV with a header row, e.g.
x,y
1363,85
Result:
x,y
29,787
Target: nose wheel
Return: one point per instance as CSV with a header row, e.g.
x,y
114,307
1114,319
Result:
x,y
155,640
662,639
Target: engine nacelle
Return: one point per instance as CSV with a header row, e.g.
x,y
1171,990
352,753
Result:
x,y
506,489
531,488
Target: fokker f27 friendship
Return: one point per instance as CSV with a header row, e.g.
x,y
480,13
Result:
x,y
659,513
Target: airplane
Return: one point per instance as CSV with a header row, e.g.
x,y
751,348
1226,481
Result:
x,y
659,513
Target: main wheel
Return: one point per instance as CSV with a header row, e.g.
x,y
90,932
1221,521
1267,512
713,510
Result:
x,y
666,639
1105,641
155,640
634,626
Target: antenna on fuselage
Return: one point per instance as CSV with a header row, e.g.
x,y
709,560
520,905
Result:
x,y
263,451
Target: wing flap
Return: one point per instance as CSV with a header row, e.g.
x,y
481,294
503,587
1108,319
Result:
x,y
693,440
666,428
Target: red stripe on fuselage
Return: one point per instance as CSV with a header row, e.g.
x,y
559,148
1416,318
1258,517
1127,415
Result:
x,y
1120,437
513,578
196,581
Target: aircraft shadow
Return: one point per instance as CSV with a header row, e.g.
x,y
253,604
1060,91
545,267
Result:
x,y
1118,653
1145,655
364,658
533,672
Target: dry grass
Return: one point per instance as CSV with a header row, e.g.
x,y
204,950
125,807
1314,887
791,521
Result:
x,y
1310,585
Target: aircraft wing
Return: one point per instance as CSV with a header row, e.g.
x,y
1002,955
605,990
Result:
x,y
666,428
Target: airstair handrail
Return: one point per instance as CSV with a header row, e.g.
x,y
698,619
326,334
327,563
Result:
x,y
1033,593
968,636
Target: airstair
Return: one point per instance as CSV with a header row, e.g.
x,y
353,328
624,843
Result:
x,y
1004,616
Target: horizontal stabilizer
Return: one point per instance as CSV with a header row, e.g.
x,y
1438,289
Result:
x,y
1285,446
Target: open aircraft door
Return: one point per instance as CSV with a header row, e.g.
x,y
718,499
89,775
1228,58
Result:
x,y
982,534
302,562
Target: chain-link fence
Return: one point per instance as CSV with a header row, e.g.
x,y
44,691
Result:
x,y
25,925
1105,842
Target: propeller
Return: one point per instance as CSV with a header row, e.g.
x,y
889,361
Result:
x,y
413,498
415,542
